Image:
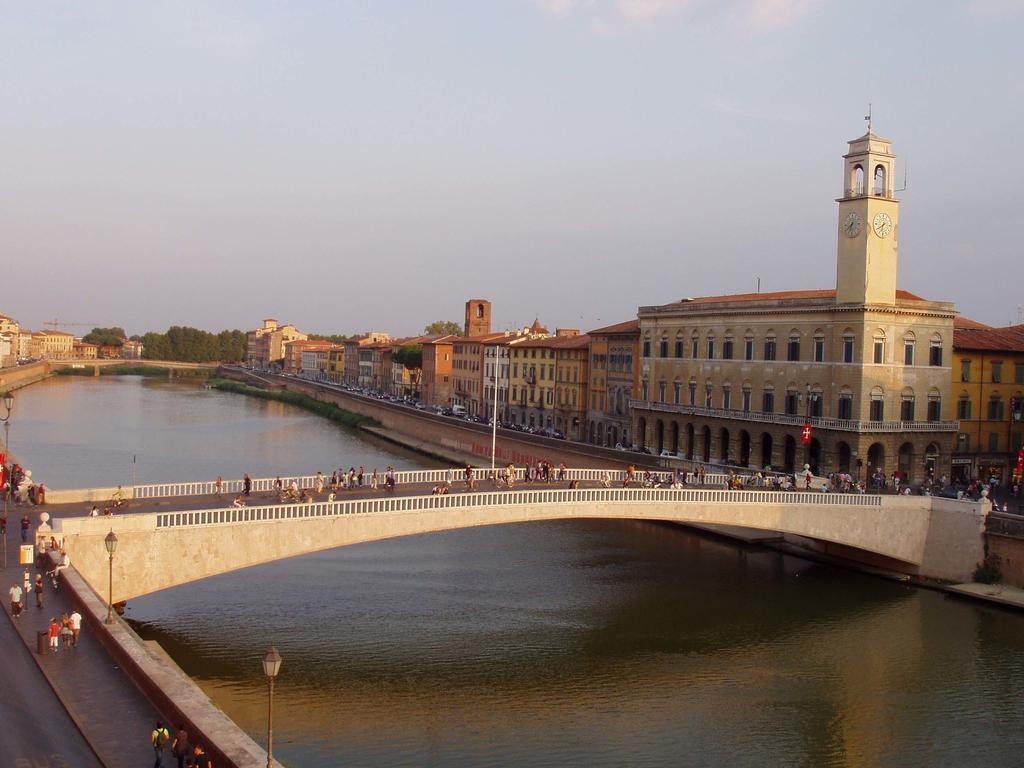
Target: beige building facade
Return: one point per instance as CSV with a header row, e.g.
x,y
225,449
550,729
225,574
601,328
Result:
x,y
738,379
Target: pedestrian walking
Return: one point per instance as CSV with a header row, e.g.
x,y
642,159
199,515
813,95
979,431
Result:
x,y
65,630
246,484
218,484
15,593
37,587
76,627
374,480
159,738
180,747
54,634
199,757
25,525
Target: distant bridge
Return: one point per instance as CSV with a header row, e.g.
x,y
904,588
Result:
x,y
917,535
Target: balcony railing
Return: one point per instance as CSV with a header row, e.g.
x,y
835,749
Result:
x,y
840,425
866,192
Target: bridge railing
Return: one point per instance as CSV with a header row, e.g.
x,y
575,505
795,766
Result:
x,y
525,497
405,477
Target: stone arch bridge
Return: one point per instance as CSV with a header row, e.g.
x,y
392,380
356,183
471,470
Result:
x,y
919,536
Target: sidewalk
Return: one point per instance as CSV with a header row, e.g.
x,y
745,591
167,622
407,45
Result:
x,y
1002,594
110,712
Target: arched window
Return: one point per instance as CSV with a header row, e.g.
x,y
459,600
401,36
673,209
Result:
x,y
793,347
848,345
726,395
817,403
878,350
727,344
769,345
768,399
747,396
694,345
907,404
819,345
857,180
711,346
792,406
877,407
663,346
647,346
935,350
692,389
880,186
996,411
748,344
677,391
934,405
845,410
909,347
709,392
661,391
679,344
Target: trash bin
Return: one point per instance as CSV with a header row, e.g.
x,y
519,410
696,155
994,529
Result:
x,y
42,642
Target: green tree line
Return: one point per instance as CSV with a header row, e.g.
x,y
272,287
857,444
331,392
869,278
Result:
x,y
192,345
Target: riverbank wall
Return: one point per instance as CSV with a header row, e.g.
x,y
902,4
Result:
x,y
169,690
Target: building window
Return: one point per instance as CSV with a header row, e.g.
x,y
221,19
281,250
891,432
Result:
x,y
993,441
768,402
996,411
677,389
647,347
746,399
877,412
963,407
934,408
708,395
846,406
663,348
997,372
679,347
727,349
643,387
819,349
1018,373
727,397
907,408
847,349
793,349
694,347
792,403
711,348
879,352
769,348
816,406
748,348
965,370
935,354
661,391
693,393
908,353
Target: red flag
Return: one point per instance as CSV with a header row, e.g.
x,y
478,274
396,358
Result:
x,y
805,434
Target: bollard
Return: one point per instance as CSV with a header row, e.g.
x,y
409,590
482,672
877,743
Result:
x,y
42,643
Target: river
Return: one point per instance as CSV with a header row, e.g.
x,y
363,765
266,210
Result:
x,y
590,643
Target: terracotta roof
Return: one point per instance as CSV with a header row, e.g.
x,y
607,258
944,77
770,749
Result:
x,y
825,293
1008,339
448,339
967,324
557,342
627,327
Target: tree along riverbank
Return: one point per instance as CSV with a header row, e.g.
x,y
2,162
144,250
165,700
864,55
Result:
x,y
327,410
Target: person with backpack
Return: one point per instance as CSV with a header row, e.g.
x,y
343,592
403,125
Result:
x,y
159,738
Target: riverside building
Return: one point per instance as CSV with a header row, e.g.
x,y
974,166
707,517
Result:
x,y
736,379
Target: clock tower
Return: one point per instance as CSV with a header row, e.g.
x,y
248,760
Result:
x,y
868,219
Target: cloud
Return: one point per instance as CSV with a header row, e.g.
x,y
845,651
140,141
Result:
x,y
606,17
767,15
745,111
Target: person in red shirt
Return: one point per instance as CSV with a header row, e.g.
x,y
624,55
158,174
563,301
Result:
x,y
54,634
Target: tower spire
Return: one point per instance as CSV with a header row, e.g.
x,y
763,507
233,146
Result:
x,y
868,117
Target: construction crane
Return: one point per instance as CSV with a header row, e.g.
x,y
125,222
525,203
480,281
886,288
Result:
x,y
55,324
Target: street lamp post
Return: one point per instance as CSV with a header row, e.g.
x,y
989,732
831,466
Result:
x,y
271,666
809,396
8,401
110,542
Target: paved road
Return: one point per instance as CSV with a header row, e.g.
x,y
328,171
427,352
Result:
x,y
35,729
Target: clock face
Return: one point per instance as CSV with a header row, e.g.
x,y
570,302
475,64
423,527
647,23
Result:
x,y
852,225
882,224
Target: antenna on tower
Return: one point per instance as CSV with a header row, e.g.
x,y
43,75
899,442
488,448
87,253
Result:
x,y
868,117
906,164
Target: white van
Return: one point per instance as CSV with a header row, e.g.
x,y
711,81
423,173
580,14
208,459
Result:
x,y
459,410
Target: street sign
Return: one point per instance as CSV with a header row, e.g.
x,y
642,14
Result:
x,y
805,434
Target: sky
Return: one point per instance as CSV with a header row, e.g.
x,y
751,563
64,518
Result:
x,y
353,165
